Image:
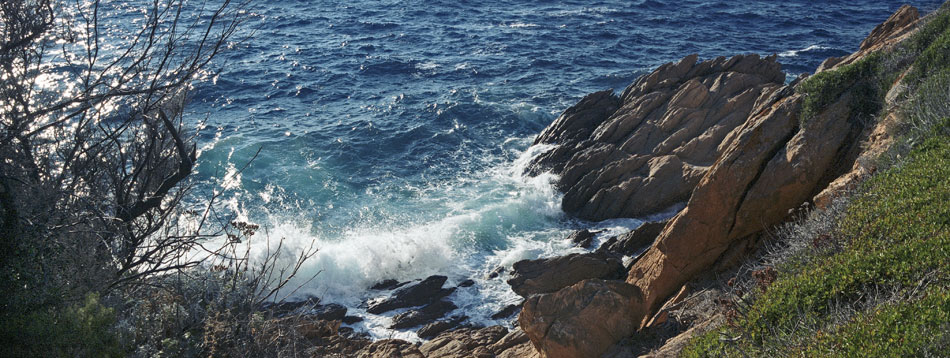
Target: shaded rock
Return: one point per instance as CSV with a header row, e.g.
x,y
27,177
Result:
x,y
390,348
435,328
387,285
632,241
506,312
467,283
351,319
582,238
331,312
465,343
650,152
283,308
422,293
582,320
578,122
426,314
551,274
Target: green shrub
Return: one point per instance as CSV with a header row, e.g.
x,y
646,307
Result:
x,y
80,330
861,78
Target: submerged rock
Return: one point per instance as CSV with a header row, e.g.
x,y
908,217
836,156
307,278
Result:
x,y
422,293
551,274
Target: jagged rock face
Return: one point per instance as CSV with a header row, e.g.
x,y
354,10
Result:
x,y
488,342
390,348
901,24
549,275
582,320
693,240
646,151
773,164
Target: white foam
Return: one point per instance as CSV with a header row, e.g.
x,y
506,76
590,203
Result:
x,y
795,53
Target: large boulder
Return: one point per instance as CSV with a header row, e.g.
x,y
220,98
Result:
x,y
648,153
549,275
425,292
582,320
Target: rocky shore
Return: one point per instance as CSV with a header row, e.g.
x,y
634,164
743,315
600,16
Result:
x,y
727,136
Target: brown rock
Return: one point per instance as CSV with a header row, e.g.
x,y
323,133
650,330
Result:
x,y
390,348
897,28
435,328
695,237
898,22
650,152
583,320
464,342
552,274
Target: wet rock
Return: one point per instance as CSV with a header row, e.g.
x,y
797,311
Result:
x,y
422,293
387,285
508,311
467,283
435,328
390,348
351,319
330,312
632,241
495,273
551,274
582,238
582,320
421,316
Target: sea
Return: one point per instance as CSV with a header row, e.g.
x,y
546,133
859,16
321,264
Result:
x,y
391,136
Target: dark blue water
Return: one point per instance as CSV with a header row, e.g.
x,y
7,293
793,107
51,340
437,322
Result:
x,y
390,132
